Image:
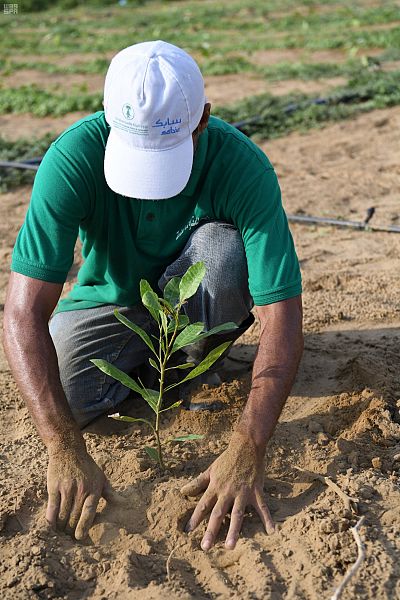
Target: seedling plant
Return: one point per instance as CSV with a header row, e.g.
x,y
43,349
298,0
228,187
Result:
x,y
175,332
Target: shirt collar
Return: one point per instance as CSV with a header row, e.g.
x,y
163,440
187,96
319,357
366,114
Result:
x,y
198,164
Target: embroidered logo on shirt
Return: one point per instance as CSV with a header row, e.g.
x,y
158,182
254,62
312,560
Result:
x,y
191,223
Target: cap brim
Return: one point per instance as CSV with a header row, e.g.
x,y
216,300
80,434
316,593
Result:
x,y
145,174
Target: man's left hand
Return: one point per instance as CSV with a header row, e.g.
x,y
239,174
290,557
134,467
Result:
x,y
232,482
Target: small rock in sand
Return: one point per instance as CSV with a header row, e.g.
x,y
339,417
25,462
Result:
x,y
315,427
377,462
322,439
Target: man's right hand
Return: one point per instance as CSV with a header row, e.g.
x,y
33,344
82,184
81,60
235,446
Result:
x,y
75,485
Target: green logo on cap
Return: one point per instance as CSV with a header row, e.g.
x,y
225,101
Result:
x,y
128,111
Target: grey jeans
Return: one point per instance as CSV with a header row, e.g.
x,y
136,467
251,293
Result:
x,y
80,335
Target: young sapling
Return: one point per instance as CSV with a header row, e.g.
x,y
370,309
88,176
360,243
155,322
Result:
x,y
175,332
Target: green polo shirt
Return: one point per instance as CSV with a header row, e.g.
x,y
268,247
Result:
x,y
127,239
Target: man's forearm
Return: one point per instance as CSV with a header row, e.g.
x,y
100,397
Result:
x,y
275,367
32,358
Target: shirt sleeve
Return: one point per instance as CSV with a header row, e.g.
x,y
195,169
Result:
x,y
273,267
60,201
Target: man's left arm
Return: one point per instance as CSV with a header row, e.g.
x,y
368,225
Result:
x,y
235,479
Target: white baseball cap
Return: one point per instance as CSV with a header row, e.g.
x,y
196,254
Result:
x,y
153,101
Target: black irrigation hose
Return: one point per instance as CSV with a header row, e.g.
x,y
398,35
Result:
x,y
33,161
19,165
345,97
360,225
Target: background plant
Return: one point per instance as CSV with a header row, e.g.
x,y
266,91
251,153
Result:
x,y
175,332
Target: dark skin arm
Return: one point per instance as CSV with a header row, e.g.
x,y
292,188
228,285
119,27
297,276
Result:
x,y
235,479
74,482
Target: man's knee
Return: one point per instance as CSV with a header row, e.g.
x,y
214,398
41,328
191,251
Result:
x,y
224,293
220,242
220,247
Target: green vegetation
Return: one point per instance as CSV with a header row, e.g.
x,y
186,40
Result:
x,y
305,71
19,151
98,65
277,116
218,64
204,28
175,332
30,98
30,6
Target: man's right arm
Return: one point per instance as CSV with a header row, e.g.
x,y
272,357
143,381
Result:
x,y
75,483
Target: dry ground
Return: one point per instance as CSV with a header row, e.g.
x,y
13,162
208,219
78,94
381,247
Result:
x,y
341,419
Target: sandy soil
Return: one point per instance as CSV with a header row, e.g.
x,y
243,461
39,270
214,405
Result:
x,y
317,87
56,82
236,87
28,126
320,8
218,88
342,420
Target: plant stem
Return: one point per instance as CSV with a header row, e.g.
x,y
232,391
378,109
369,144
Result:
x,y
163,360
159,403
159,450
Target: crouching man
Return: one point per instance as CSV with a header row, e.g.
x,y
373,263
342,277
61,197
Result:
x,y
152,184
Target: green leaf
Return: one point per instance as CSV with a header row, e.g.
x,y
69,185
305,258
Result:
x,y
204,365
117,374
188,336
183,320
224,327
151,396
217,329
164,322
166,305
175,405
127,419
171,291
184,438
154,364
150,301
152,452
183,366
138,330
208,361
191,280
145,287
